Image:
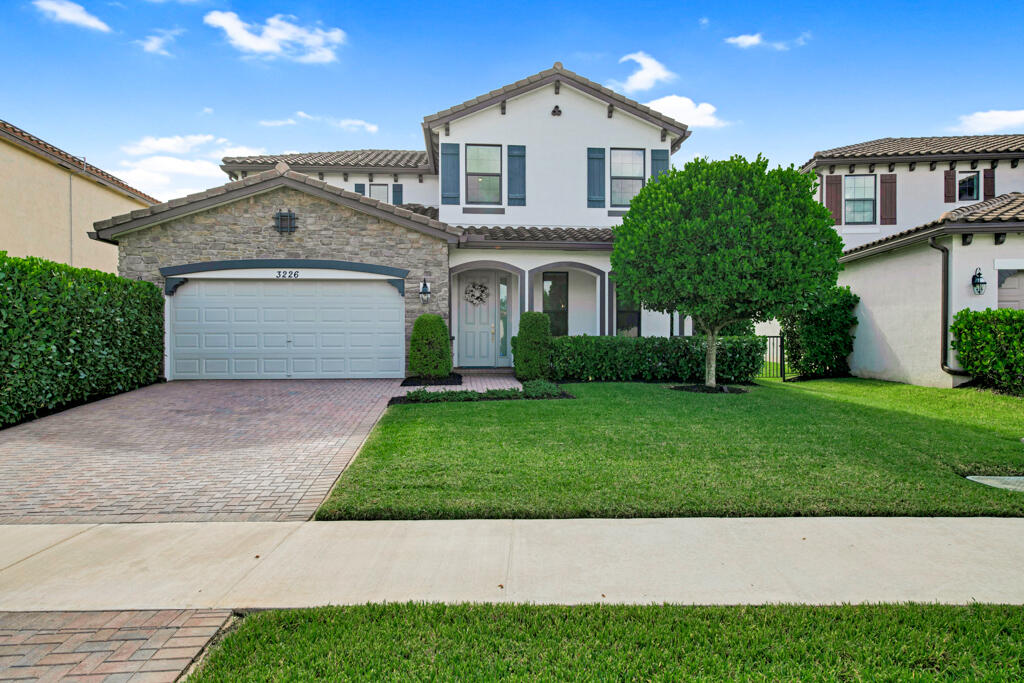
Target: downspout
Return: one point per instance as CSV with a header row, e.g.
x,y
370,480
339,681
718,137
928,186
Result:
x,y
944,356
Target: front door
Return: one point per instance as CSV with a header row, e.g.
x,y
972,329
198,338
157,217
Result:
x,y
478,301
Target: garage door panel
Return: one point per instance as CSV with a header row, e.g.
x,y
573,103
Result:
x,y
275,328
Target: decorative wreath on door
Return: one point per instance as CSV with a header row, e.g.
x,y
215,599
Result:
x,y
476,293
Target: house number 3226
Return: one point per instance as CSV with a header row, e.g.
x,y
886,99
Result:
x,y
287,274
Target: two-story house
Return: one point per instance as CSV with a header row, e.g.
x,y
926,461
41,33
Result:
x,y
316,265
932,226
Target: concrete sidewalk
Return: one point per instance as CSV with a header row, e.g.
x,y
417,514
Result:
x,y
708,561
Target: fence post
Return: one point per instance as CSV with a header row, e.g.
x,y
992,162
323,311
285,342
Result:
x,y
782,356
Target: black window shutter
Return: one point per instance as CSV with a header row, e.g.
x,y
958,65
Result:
x,y
888,199
949,186
361,188
396,194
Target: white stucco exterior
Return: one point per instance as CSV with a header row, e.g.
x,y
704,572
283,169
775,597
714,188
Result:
x,y
413,191
556,156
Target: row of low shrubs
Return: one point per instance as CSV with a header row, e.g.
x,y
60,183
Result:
x,y
818,339
625,359
533,389
990,346
68,335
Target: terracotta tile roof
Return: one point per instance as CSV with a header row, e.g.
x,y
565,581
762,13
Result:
x,y
925,147
428,211
534,234
1006,208
140,217
413,160
12,132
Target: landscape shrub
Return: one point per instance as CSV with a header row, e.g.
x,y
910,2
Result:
x,y
990,346
541,388
531,348
533,389
69,335
739,328
653,359
430,349
819,338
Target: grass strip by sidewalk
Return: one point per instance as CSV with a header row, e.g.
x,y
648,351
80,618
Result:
x,y
658,643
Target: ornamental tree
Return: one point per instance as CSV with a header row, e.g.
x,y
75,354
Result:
x,y
722,241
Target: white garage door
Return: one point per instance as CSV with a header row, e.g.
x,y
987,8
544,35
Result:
x,y
259,329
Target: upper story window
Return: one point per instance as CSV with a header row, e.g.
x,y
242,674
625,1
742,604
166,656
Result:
x,y
967,186
379,192
483,174
859,199
627,173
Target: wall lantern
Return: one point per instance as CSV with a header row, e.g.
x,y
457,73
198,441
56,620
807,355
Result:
x,y
425,291
978,282
285,221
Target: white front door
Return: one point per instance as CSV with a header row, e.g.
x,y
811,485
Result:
x,y
477,319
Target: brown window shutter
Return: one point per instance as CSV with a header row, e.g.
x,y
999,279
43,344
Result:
x,y
989,183
888,192
834,197
950,186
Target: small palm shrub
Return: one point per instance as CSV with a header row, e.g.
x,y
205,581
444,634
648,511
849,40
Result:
x,y
430,350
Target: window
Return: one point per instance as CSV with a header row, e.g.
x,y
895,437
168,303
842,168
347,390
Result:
x,y
556,302
967,186
627,175
379,192
627,315
859,198
483,174
503,316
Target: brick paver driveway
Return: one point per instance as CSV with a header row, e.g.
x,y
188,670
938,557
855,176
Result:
x,y
203,450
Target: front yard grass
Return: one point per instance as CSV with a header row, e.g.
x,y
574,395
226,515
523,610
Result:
x,y
523,642
827,447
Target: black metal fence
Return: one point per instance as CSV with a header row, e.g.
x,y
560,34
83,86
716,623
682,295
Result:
x,y
774,358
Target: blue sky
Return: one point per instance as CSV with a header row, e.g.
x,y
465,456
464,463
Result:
x,y
156,91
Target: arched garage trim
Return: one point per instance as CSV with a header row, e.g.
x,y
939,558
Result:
x,y
602,278
173,280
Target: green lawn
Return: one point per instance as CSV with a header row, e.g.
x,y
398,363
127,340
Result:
x,y
829,447
520,642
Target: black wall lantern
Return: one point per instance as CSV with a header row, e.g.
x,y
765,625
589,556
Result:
x,y
425,291
285,221
978,282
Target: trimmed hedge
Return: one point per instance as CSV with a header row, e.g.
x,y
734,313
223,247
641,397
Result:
x,y
653,359
69,335
430,349
533,389
531,348
819,338
990,346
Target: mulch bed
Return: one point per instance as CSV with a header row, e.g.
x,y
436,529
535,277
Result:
x,y
704,389
452,380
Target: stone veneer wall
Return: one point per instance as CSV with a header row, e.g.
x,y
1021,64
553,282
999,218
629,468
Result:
x,y
244,229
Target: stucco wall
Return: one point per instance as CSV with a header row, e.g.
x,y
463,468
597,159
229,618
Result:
x,y
556,155
244,229
39,220
413,191
898,335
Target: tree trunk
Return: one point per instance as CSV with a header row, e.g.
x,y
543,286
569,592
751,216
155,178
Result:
x,y
709,363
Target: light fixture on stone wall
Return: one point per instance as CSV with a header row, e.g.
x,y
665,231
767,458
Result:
x,y
978,282
285,221
425,291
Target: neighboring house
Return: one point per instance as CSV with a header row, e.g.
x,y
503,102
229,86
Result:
x,y
50,200
882,187
912,283
305,267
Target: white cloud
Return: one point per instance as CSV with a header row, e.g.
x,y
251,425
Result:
x,y
69,12
206,110
703,21
279,36
158,42
173,144
992,121
650,73
344,124
749,40
237,151
685,110
274,123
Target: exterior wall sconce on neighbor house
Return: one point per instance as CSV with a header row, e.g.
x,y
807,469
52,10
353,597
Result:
x,y
285,221
978,282
425,291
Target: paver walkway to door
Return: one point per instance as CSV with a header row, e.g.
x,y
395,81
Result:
x,y
212,450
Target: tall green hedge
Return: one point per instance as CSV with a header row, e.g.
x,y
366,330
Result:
x,y
990,346
69,335
819,338
531,348
430,347
653,359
